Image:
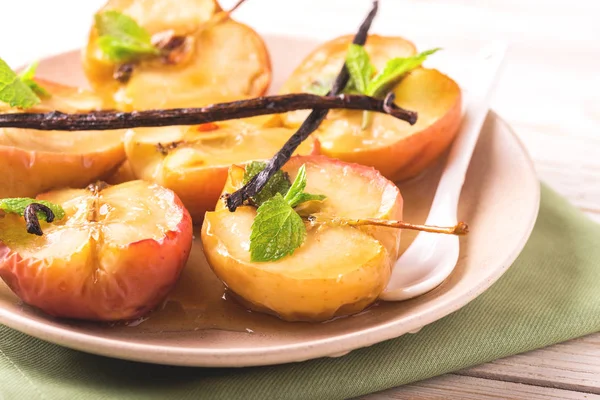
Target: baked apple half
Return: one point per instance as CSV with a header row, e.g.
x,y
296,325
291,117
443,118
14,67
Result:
x,y
202,56
338,270
32,162
193,161
398,150
114,256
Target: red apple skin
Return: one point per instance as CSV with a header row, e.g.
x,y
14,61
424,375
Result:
x,y
142,275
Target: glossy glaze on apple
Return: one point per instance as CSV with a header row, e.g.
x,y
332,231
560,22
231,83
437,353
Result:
x,y
339,270
212,72
201,305
116,254
395,148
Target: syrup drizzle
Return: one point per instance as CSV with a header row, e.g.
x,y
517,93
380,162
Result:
x,y
201,302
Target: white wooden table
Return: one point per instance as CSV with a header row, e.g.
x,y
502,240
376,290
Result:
x,y
549,93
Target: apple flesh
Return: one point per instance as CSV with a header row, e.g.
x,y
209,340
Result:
x,y
395,148
115,255
224,60
32,162
193,161
339,270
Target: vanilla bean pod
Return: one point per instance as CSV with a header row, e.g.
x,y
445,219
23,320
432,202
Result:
x,y
106,120
312,122
31,218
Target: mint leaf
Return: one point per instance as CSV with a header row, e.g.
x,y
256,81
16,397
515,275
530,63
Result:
x,y
304,197
360,69
13,91
359,66
17,206
277,230
121,39
27,78
118,50
393,70
296,195
120,26
279,183
298,185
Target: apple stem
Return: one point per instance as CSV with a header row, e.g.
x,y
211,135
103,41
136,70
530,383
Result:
x,y
310,124
235,7
460,228
217,18
31,218
109,120
220,16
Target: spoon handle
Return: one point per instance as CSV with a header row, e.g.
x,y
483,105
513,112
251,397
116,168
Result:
x,y
482,82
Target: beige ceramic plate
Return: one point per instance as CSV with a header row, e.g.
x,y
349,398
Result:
x,y
200,326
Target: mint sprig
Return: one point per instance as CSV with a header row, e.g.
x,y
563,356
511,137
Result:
x,y
121,39
296,195
278,230
17,206
16,90
361,73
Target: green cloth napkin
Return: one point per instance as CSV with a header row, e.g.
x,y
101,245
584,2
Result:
x,y
551,294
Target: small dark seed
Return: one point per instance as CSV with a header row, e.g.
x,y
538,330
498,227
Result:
x,y
123,72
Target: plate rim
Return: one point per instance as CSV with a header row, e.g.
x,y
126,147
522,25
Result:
x,y
342,344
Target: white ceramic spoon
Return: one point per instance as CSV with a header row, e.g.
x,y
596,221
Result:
x,y
432,257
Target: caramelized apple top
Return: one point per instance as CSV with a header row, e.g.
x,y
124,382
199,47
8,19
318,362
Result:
x,y
428,92
326,253
351,190
357,199
115,216
224,60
